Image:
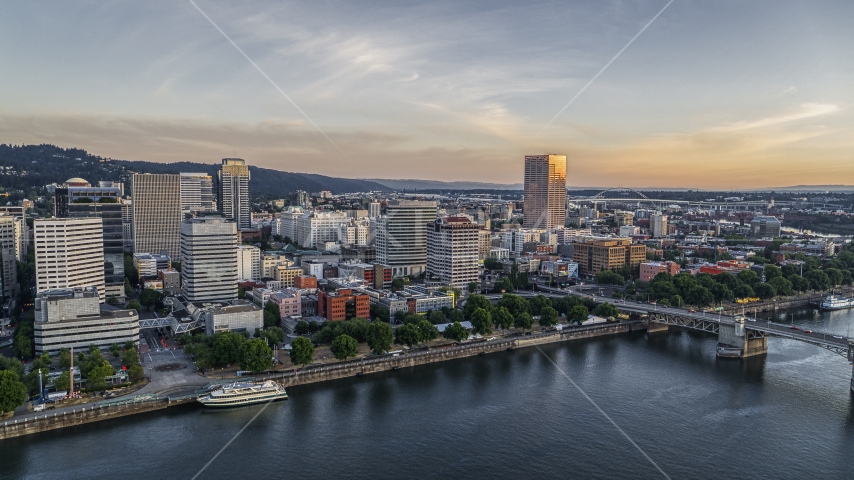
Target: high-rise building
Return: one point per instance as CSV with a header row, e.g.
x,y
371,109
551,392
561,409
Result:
x,y
8,257
127,224
545,191
157,213
300,198
316,228
103,202
452,251
594,254
765,227
402,236
69,253
197,193
374,209
233,191
658,225
248,262
209,259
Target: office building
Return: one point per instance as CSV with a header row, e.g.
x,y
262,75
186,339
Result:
x,y
300,199
765,227
594,254
209,259
197,194
233,191
648,270
248,262
157,213
148,264
127,224
343,304
452,251
8,257
72,318
69,252
374,209
545,191
658,225
104,202
314,229
402,236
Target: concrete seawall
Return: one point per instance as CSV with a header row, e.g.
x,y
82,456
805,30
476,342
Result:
x,y
52,421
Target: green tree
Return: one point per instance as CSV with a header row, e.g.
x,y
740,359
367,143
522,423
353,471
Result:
x,y
799,283
408,334
782,286
256,356
772,271
578,314
379,312
12,391
149,297
503,319
116,350
749,277
605,310
548,317
513,303
455,332
302,351
241,293
226,348
62,382
134,305
136,373
481,320
607,277
765,291
699,296
835,276
474,302
428,331
130,358
524,321
275,334
818,280
128,288
380,335
95,377
743,291
504,285
23,346
301,328
64,358
538,303
474,287
344,346
272,315
436,317
397,285
112,300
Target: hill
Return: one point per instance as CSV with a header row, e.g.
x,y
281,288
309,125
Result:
x,y
29,167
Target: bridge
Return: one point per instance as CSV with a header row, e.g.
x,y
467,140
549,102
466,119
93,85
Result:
x,y
629,195
171,322
738,336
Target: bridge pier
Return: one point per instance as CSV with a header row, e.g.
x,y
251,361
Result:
x,y
736,341
655,327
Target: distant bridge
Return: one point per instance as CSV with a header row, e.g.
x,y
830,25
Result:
x,y
629,195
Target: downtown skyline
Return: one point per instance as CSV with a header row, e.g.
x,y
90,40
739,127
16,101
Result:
x,y
444,91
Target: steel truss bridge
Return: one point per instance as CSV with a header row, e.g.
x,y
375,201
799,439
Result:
x,y
171,322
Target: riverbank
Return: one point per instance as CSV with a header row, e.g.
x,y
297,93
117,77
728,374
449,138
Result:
x,y
146,403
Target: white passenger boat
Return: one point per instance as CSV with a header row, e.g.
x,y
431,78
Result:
x,y
243,393
836,302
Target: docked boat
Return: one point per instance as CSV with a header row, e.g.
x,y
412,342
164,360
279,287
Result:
x,y
238,394
836,302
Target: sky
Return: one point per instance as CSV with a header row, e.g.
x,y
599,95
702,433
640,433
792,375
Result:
x,y
714,95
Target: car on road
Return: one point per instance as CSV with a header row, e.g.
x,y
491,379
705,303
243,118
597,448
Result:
x,y
837,337
692,311
794,327
807,331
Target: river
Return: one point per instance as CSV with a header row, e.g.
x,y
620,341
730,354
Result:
x,y
506,415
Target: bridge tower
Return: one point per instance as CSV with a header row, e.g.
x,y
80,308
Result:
x,y
738,341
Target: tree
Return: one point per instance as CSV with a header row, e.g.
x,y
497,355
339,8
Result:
x,y
256,356
64,358
302,351
504,285
481,320
226,348
275,334
749,277
149,297
241,293
134,305
607,277
408,335
524,321
344,346
428,331
548,317
23,346
456,316
799,283
513,303
765,291
379,312
699,296
578,314
272,314
835,276
772,271
136,373
301,328
130,358
436,317
538,303
818,280
503,319
95,377
605,310
397,285
116,350
63,381
783,286
474,287
112,300
380,335
12,391
474,302
128,288
455,332
742,291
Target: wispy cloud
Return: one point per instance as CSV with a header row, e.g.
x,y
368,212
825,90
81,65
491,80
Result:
x,y
808,110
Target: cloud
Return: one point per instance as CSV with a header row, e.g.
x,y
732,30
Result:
x,y
808,110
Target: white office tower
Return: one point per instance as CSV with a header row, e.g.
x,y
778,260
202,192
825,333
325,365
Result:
x,y
374,209
402,236
658,225
355,233
248,262
8,256
287,226
69,253
157,213
233,191
452,251
209,259
197,193
316,228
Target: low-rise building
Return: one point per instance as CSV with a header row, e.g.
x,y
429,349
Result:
x,y
289,301
343,304
66,318
648,270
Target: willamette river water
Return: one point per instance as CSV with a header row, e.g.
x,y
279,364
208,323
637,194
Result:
x,y
507,415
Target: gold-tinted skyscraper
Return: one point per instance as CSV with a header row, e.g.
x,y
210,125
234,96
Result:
x,y
545,191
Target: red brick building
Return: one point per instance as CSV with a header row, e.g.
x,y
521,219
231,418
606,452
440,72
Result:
x,y
343,304
302,282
